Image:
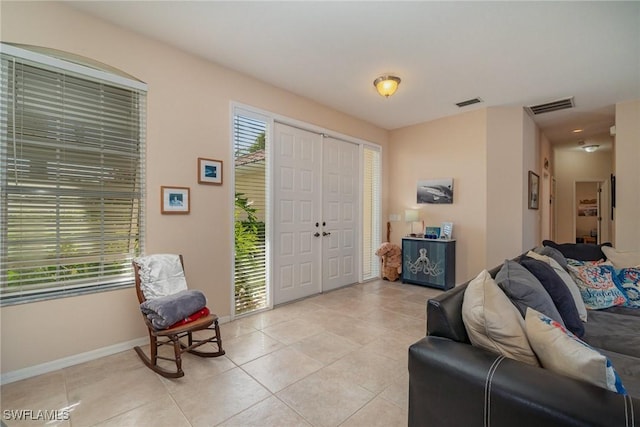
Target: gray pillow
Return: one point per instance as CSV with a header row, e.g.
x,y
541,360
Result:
x,y
552,253
524,290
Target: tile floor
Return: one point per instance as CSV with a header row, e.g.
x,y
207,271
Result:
x,y
336,359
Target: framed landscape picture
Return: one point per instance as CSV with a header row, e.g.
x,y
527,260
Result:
x,y
209,171
439,191
174,200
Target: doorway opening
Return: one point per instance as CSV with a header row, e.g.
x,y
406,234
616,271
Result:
x,y
592,223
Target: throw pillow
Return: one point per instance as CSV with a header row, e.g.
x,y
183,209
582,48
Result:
x,y
598,285
524,290
630,282
576,263
552,253
568,281
579,251
492,322
563,353
559,293
622,259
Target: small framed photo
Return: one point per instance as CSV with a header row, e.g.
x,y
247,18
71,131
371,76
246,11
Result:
x,y
447,230
534,190
174,200
209,171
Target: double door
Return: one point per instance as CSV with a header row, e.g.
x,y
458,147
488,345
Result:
x,y
316,183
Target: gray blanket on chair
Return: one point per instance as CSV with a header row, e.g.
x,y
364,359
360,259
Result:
x,y
165,311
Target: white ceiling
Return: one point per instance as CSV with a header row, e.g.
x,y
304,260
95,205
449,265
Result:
x,y
507,53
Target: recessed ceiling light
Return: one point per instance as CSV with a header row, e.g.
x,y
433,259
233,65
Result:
x,y
577,130
590,148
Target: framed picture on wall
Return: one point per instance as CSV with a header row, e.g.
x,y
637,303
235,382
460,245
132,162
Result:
x,y
534,190
174,200
209,171
439,191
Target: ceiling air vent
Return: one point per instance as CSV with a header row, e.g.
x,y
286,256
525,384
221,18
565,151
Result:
x,y
560,104
468,102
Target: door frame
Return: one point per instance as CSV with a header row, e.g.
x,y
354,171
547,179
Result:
x,y
271,118
603,220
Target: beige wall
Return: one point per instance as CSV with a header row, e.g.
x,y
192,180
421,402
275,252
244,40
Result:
x,y
571,165
488,153
531,162
512,152
452,147
188,117
627,171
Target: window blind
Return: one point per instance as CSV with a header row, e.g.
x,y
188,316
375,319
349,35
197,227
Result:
x,y
251,207
371,213
72,180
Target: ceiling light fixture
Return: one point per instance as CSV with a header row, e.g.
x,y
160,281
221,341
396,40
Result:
x,y
576,130
590,148
386,85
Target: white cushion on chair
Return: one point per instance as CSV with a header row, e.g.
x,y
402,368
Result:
x,y
161,275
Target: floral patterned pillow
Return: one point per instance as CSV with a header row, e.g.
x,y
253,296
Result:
x,y
599,286
629,279
577,263
562,352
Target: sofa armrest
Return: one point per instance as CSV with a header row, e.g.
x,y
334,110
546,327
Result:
x,y
444,313
456,384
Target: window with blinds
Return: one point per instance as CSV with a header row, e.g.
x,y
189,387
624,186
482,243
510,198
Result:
x,y
250,218
371,199
71,175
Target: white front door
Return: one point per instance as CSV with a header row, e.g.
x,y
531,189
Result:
x,y
316,213
297,201
340,213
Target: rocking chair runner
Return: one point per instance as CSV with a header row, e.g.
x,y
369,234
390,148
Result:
x,y
174,336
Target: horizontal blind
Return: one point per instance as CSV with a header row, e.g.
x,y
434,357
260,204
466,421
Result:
x,y
371,213
250,141
72,181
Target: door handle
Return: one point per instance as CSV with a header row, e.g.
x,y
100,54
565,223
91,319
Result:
x,y
316,234
324,233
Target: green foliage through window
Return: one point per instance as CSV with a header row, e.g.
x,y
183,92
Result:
x,y
250,145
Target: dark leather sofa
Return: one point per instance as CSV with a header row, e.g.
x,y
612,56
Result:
x,y
452,383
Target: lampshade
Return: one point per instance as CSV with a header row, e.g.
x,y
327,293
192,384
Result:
x,y
590,148
411,215
386,85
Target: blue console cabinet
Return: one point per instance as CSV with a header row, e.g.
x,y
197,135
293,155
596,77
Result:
x,y
429,262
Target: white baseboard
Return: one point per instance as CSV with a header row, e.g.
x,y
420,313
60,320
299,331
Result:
x,y
65,362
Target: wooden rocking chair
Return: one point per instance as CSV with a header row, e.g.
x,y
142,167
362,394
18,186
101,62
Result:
x,y
174,336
